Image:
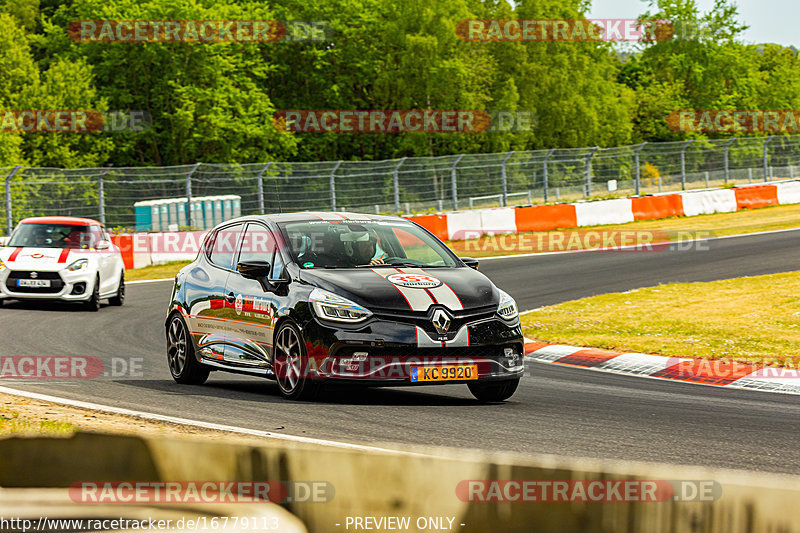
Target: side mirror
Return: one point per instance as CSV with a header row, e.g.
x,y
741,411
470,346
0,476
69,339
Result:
x,y
103,245
254,269
470,262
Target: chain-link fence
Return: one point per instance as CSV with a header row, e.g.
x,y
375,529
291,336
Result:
x,y
413,184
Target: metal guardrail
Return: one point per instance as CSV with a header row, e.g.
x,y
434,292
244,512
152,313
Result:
x,y
404,185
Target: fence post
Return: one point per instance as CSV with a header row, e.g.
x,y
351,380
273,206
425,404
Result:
x,y
260,178
396,184
588,172
683,165
544,169
101,195
727,171
332,181
766,169
453,183
504,179
189,194
638,170
9,221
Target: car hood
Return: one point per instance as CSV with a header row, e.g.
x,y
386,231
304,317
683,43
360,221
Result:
x,y
43,259
408,289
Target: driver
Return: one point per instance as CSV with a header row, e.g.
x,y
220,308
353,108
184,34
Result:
x,y
363,249
40,238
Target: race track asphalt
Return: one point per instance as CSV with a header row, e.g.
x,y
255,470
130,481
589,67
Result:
x,y
556,410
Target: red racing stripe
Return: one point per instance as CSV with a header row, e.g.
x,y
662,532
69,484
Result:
x,y
64,254
14,255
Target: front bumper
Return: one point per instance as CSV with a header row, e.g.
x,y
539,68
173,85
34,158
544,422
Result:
x,y
65,285
392,353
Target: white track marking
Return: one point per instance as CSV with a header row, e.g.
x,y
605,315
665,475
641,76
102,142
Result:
x,y
204,425
142,281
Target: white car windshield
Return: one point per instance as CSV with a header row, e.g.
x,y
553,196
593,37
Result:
x,y
55,236
365,243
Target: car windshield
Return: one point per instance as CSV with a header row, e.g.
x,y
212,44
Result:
x,y
365,243
55,236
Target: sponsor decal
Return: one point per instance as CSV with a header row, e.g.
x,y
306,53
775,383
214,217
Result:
x,y
239,304
414,281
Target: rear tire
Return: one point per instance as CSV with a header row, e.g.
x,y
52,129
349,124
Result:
x,y
183,365
494,391
93,303
290,364
119,298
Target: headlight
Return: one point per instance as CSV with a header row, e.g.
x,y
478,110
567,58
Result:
x,y
508,307
80,264
329,306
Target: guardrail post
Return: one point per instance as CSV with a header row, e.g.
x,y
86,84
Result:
x,y
396,184
260,178
725,161
504,180
588,172
453,183
332,184
766,164
189,194
101,195
683,165
544,169
9,220
638,170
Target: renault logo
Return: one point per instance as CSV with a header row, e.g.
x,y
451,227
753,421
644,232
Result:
x,y
440,321
34,275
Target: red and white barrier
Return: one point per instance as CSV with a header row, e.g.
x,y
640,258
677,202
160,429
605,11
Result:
x,y
472,224
143,249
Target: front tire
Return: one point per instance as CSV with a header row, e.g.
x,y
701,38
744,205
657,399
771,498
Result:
x,y
290,364
93,303
183,365
493,391
119,298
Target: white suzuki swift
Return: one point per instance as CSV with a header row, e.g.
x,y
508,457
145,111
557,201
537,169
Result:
x,y
62,258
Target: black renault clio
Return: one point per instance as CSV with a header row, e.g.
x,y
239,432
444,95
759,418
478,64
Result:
x,y
307,298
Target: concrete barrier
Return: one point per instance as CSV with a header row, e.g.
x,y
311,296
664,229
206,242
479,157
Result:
x,y
417,483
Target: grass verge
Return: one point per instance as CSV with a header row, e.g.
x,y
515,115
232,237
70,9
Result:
x,y
167,270
752,319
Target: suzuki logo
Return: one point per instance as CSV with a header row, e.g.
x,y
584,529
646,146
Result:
x,y
34,275
440,321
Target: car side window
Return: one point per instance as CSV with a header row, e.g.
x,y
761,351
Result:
x,y
258,244
223,249
277,264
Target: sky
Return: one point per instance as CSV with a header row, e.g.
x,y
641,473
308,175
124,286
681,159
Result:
x,y
770,21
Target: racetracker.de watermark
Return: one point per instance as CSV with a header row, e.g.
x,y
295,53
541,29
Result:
x,y
72,121
467,241
27,367
566,30
198,31
402,121
735,121
588,490
201,492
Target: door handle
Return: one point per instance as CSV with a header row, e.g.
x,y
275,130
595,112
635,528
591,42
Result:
x,y
231,298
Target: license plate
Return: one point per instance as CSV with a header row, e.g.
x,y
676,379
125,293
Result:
x,y
444,373
33,283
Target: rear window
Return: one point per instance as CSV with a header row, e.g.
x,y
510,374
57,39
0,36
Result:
x,y
56,236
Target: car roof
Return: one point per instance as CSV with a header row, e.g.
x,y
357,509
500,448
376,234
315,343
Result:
x,y
311,216
60,220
